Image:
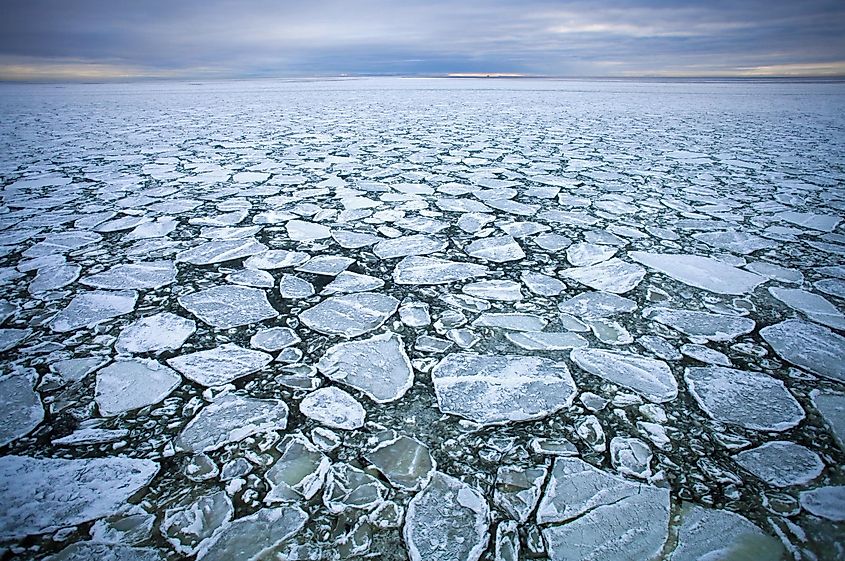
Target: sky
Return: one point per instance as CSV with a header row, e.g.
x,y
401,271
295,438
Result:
x,y
123,39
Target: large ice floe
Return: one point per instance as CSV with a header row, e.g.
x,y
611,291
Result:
x,y
377,366
590,514
350,315
447,520
44,494
495,389
423,319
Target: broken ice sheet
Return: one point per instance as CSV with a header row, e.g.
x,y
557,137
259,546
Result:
x,y
814,306
378,366
229,306
831,405
430,270
417,244
131,384
405,462
299,472
220,251
220,365
90,308
21,408
333,407
518,490
152,274
230,418
347,282
701,272
826,502
160,332
810,346
496,389
253,536
447,520
591,514
749,399
706,533
274,339
350,315
704,325
53,278
614,276
86,551
781,463
648,377
40,494
498,249
189,522
350,488
11,338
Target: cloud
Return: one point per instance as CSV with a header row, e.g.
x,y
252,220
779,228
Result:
x,y
40,39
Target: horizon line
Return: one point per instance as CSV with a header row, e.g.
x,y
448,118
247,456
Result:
x,y
446,75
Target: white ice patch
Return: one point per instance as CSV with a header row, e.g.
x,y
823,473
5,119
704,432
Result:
x,y
151,274
90,308
614,276
701,272
749,399
430,270
350,315
378,366
810,346
781,463
648,377
42,494
499,389
334,408
160,332
125,385
220,365
229,306
231,418
443,524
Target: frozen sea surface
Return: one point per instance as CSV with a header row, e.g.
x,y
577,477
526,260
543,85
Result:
x,y
423,319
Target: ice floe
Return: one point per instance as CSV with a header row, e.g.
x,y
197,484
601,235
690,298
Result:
x,y
703,325
614,276
350,315
701,272
334,408
810,346
131,384
229,306
781,463
430,270
231,418
749,399
590,514
706,533
377,366
159,332
495,389
90,308
447,520
21,405
220,365
648,377
153,274
43,494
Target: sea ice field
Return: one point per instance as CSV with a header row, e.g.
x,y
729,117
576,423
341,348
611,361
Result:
x,y
423,319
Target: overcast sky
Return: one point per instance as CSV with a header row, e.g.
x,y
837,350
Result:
x,y
100,39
